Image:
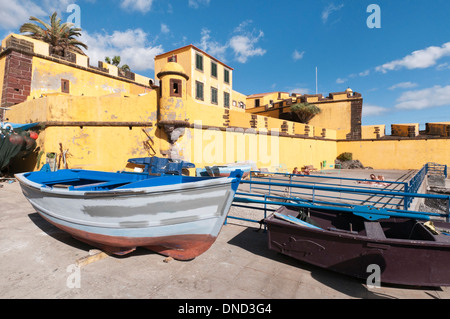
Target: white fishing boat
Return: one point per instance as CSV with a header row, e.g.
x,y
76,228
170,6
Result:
x,y
174,215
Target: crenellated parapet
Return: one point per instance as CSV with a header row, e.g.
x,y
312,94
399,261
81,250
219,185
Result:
x,y
340,111
29,70
33,47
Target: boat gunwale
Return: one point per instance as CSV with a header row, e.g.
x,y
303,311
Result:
x,y
208,182
363,238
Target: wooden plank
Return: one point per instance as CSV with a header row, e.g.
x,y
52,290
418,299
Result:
x,y
94,255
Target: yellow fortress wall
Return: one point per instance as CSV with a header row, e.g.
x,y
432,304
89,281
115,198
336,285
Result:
x,y
101,129
99,132
219,135
47,76
398,153
213,146
340,111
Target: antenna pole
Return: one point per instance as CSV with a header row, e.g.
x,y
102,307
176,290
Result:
x,y
316,81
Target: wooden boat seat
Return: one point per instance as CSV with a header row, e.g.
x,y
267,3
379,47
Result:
x,y
100,185
374,230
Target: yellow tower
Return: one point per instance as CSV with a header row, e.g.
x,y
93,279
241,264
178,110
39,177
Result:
x,y
172,102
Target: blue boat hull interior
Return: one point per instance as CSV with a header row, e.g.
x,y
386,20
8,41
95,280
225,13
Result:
x,y
157,172
88,180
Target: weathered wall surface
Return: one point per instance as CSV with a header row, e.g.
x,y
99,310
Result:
x,y
398,153
104,119
98,132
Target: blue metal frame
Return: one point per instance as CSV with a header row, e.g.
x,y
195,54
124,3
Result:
x,y
409,192
304,181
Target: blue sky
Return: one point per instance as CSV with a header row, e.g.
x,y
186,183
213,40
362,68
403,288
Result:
x,y
402,69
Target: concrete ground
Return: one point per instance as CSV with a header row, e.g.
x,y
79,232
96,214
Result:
x,y
38,261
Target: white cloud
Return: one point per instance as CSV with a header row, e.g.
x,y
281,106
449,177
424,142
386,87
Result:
x,y
419,59
137,5
212,47
131,45
244,42
244,46
329,10
128,38
352,76
299,90
403,85
373,110
243,26
364,73
164,28
14,13
426,98
196,3
443,66
298,55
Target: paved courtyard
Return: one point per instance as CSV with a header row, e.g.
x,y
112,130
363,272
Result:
x,y
38,261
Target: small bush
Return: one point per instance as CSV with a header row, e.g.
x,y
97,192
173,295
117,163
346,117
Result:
x,y
345,157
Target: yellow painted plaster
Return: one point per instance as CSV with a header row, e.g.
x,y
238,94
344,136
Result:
x,y
94,147
398,154
47,76
371,131
335,116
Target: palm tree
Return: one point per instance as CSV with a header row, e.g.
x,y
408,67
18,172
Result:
x,y
116,61
125,67
60,36
304,112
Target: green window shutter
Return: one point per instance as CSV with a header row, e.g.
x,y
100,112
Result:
x,y
199,62
226,76
213,69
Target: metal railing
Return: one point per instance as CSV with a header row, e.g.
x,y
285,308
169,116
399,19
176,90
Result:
x,y
329,191
436,169
311,187
417,180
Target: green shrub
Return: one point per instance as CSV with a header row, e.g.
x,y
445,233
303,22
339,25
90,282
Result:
x,y
345,157
304,112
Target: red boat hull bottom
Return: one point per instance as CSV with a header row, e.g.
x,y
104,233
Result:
x,y
180,247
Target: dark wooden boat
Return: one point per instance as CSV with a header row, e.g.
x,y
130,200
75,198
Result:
x,y
407,251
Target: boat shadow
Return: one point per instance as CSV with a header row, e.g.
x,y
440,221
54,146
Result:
x,y
256,242
57,233
65,238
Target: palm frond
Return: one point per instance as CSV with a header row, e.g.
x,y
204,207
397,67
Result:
x,y
46,25
61,36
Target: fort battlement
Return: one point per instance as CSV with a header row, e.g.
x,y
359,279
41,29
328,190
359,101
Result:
x,y
18,84
38,48
340,111
83,108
